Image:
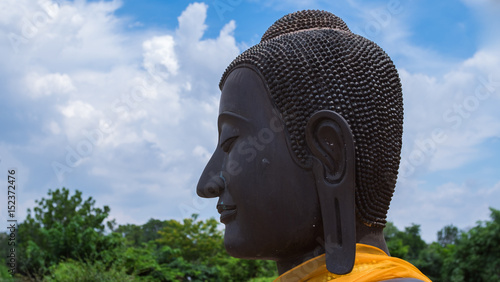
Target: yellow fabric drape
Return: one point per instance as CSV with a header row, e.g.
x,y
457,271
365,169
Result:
x,y
371,264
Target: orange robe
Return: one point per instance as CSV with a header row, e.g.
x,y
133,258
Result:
x,y
371,264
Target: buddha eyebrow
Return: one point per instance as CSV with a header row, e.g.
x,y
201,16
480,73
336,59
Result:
x,y
230,116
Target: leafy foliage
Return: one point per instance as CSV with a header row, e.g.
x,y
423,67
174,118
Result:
x,y
197,240
136,235
472,255
476,256
448,235
394,241
62,227
189,250
64,239
406,245
71,270
201,256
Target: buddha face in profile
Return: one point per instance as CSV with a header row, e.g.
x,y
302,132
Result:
x,y
310,125
266,199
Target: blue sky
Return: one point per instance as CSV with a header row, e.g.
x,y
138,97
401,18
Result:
x,y
119,99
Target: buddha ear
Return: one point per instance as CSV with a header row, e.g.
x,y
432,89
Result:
x,y
331,142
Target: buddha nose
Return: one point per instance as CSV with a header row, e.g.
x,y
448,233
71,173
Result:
x,y
211,183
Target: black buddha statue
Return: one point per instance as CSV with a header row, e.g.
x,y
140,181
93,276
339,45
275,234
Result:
x,y
310,128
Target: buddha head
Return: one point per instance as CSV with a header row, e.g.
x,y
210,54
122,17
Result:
x,y
310,129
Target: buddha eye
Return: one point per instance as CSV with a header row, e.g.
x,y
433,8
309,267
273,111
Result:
x,y
227,144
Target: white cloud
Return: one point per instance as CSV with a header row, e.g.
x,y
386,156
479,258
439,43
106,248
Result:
x,y
490,192
159,52
464,146
45,85
79,76
78,109
205,58
450,114
54,128
280,5
486,61
461,204
136,110
459,104
202,153
192,22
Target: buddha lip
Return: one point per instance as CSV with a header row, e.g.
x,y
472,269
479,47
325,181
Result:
x,y
227,212
222,208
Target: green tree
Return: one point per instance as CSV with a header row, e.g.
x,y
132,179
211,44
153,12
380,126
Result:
x,y
4,251
150,230
476,254
394,241
411,237
198,240
138,234
430,260
194,251
448,235
86,271
132,234
61,227
406,244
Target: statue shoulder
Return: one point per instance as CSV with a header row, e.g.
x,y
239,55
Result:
x,y
403,280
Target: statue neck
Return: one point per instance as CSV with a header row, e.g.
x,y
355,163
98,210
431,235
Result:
x,y
373,236
365,235
289,263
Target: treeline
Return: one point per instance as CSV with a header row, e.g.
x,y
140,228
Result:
x,y
64,238
458,255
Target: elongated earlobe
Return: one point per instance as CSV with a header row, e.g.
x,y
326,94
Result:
x,y
331,142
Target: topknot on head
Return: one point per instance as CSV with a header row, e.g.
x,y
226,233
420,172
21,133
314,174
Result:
x,y
304,20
